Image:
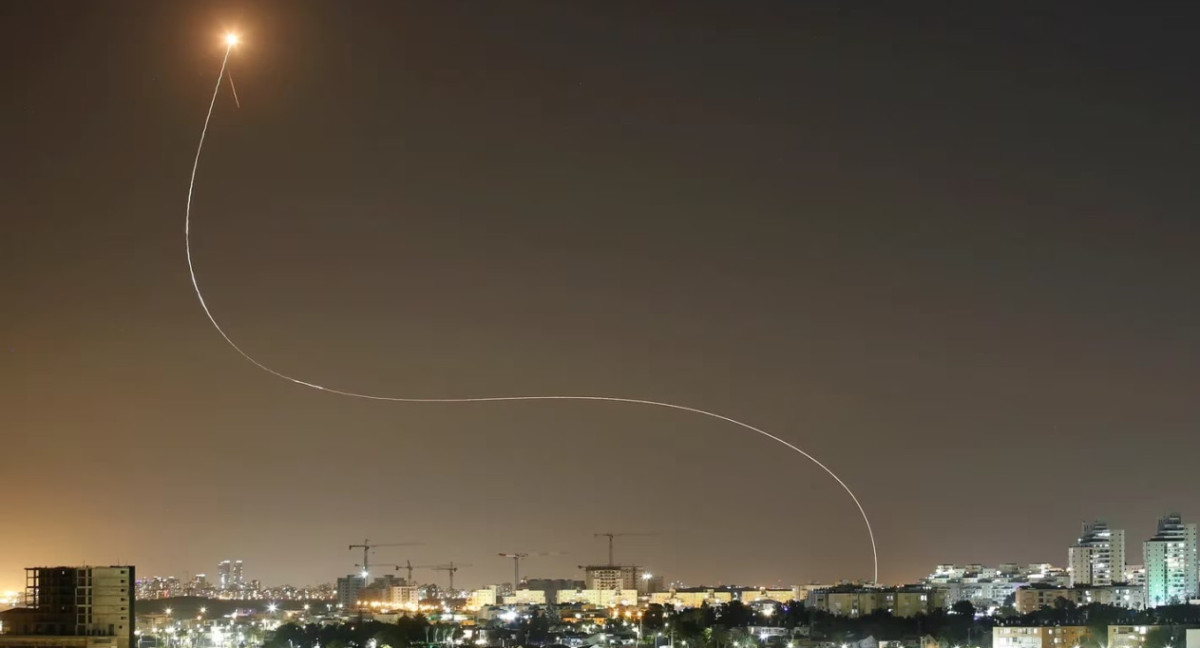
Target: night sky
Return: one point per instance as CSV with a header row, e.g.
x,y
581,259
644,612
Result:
x,y
949,248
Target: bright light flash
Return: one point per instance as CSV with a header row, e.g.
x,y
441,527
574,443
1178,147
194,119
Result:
x,y
231,39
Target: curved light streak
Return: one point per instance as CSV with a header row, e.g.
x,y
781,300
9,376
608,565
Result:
x,y
478,399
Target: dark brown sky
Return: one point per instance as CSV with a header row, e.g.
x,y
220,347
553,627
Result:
x,y
949,249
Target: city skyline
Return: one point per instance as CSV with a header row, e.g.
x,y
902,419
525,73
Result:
x,y
941,251
100,607
430,574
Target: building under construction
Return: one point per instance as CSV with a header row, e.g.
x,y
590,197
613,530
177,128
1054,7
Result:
x,y
72,607
611,577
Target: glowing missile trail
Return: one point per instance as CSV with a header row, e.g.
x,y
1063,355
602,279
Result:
x,y
234,89
230,41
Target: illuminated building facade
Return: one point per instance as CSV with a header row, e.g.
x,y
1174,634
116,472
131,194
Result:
x,y
551,586
1129,636
1033,598
230,575
777,595
1170,561
526,597
987,586
1099,556
692,597
861,601
1038,636
600,598
404,596
481,598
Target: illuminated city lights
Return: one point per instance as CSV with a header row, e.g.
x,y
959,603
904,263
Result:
x,y
950,254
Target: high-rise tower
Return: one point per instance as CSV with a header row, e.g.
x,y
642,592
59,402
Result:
x,y
1099,556
1170,560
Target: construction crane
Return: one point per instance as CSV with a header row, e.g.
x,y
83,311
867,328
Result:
x,y
366,546
408,566
518,557
610,537
450,568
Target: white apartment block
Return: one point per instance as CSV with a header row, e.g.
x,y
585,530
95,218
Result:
x,y
1170,561
1098,558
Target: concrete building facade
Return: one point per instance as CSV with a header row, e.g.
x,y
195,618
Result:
x,y
1033,598
777,595
1135,575
90,607
610,577
901,601
551,585
1038,636
404,596
230,575
1098,557
1170,563
526,597
482,598
599,598
692,597
348,588
987,586
1128,636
